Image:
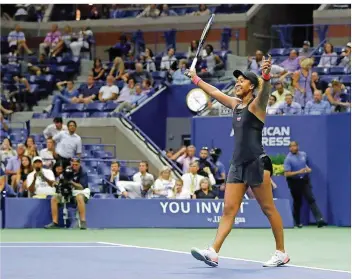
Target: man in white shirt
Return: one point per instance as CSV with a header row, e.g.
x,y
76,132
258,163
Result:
x,y
17,41
55,128
272,106
191,180
280,92
41,181
168,59
68,144
48,153
108,92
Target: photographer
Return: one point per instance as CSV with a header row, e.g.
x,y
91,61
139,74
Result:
x,y
40,181
74,183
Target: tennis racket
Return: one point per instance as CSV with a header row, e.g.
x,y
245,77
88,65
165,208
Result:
x,y
202,41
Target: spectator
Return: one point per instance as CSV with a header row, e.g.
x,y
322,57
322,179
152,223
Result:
x,y
202,10
51,40
329,57
280,92
118,67
178,77
6,152
98,71
41,68
272,107
120,49
68,144
58,169
69,95
167,12
192,49
5,189
302,80
94,13
204,164
220,174
24,96
277,73
345,58
205,191
317,83
144,178
4,127
64,42
84,37
147,86
40,181
289,107
255,63
147,58
167,60
139,75
317,106
21,13
80,192
108,92
127,106
150,11
187,158
55,128
191,180
31,148
48,154
178,191
17,41
291,64
337,99
115,174
163,184
213,62
304,51
88,92
20,181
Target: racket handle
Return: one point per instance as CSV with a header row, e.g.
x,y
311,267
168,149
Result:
x,y
193,66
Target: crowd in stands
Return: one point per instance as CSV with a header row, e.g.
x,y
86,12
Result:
x,y
23,12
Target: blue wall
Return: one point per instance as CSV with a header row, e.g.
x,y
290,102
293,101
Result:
x,y
326,139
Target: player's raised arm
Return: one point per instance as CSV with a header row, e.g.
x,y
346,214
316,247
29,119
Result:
x,y
212,91
261,101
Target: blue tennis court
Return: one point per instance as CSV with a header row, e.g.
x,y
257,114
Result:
x,y
57,260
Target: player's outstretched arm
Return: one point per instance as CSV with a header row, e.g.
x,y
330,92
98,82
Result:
x,y
212,91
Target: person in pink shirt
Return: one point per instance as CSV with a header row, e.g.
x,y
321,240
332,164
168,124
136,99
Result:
x,y
51,40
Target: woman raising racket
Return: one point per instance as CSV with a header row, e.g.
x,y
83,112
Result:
x,y
250,166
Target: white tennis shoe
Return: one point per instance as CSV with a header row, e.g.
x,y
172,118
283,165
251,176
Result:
x,y
278,259
209,256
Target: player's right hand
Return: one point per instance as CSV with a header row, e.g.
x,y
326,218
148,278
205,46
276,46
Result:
x,y
190,73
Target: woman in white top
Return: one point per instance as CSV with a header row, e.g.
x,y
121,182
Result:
x,y
6,152
178,192
147,59
163,184
329,57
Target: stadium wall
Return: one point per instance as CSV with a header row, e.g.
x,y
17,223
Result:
x,y
326,139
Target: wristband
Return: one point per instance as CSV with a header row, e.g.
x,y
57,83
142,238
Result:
x,y
196,80
265,76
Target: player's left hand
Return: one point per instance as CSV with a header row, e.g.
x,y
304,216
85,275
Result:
x,y
266,64
190,73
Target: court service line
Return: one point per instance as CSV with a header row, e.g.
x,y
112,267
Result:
x,y
223,257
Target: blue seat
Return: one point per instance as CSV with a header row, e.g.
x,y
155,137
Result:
x,y
337,70
86,154
104,196
73,107
159,75
79,114
329,78
17,137
40,115
128,171
338,49
278,51
92,163
97,147
321,70
38,138
102,154
94,183
110,106
346,79
95,106
181,55
99,114
103,170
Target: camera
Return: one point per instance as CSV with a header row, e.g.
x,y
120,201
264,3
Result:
x,y
64,187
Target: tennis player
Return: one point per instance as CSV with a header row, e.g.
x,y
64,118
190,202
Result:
x,y
250,166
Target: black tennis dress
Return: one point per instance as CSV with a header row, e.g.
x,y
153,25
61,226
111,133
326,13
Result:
x,y
249,159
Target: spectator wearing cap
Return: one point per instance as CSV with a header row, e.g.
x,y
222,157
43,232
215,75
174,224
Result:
x,y
68,144
336,97
289,107
168,60
40,181
280,92
187,158
345,59
14,163
317,106
80,192
108,92
51,40
272,106
291,64
5,189
304,51
55,128
329,57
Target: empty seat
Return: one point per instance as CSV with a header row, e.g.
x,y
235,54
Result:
x,y
104,196
346,79
321,70
79,114
103,170
95,106
278,51
73,107
337,70
40,115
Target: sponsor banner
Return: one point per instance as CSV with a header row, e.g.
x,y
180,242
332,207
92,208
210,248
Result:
x,y
113,213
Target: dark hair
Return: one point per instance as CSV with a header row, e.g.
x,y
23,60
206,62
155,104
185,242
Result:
x,y
57,164
71,121
210,46
146,164
332,47
148,82
150,51
194,48
273,97
29,137
30,168
58,120
71,81
131,78
205,7
115,162
95,62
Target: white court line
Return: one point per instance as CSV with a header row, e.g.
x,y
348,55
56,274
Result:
x,y
57,246
229,258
